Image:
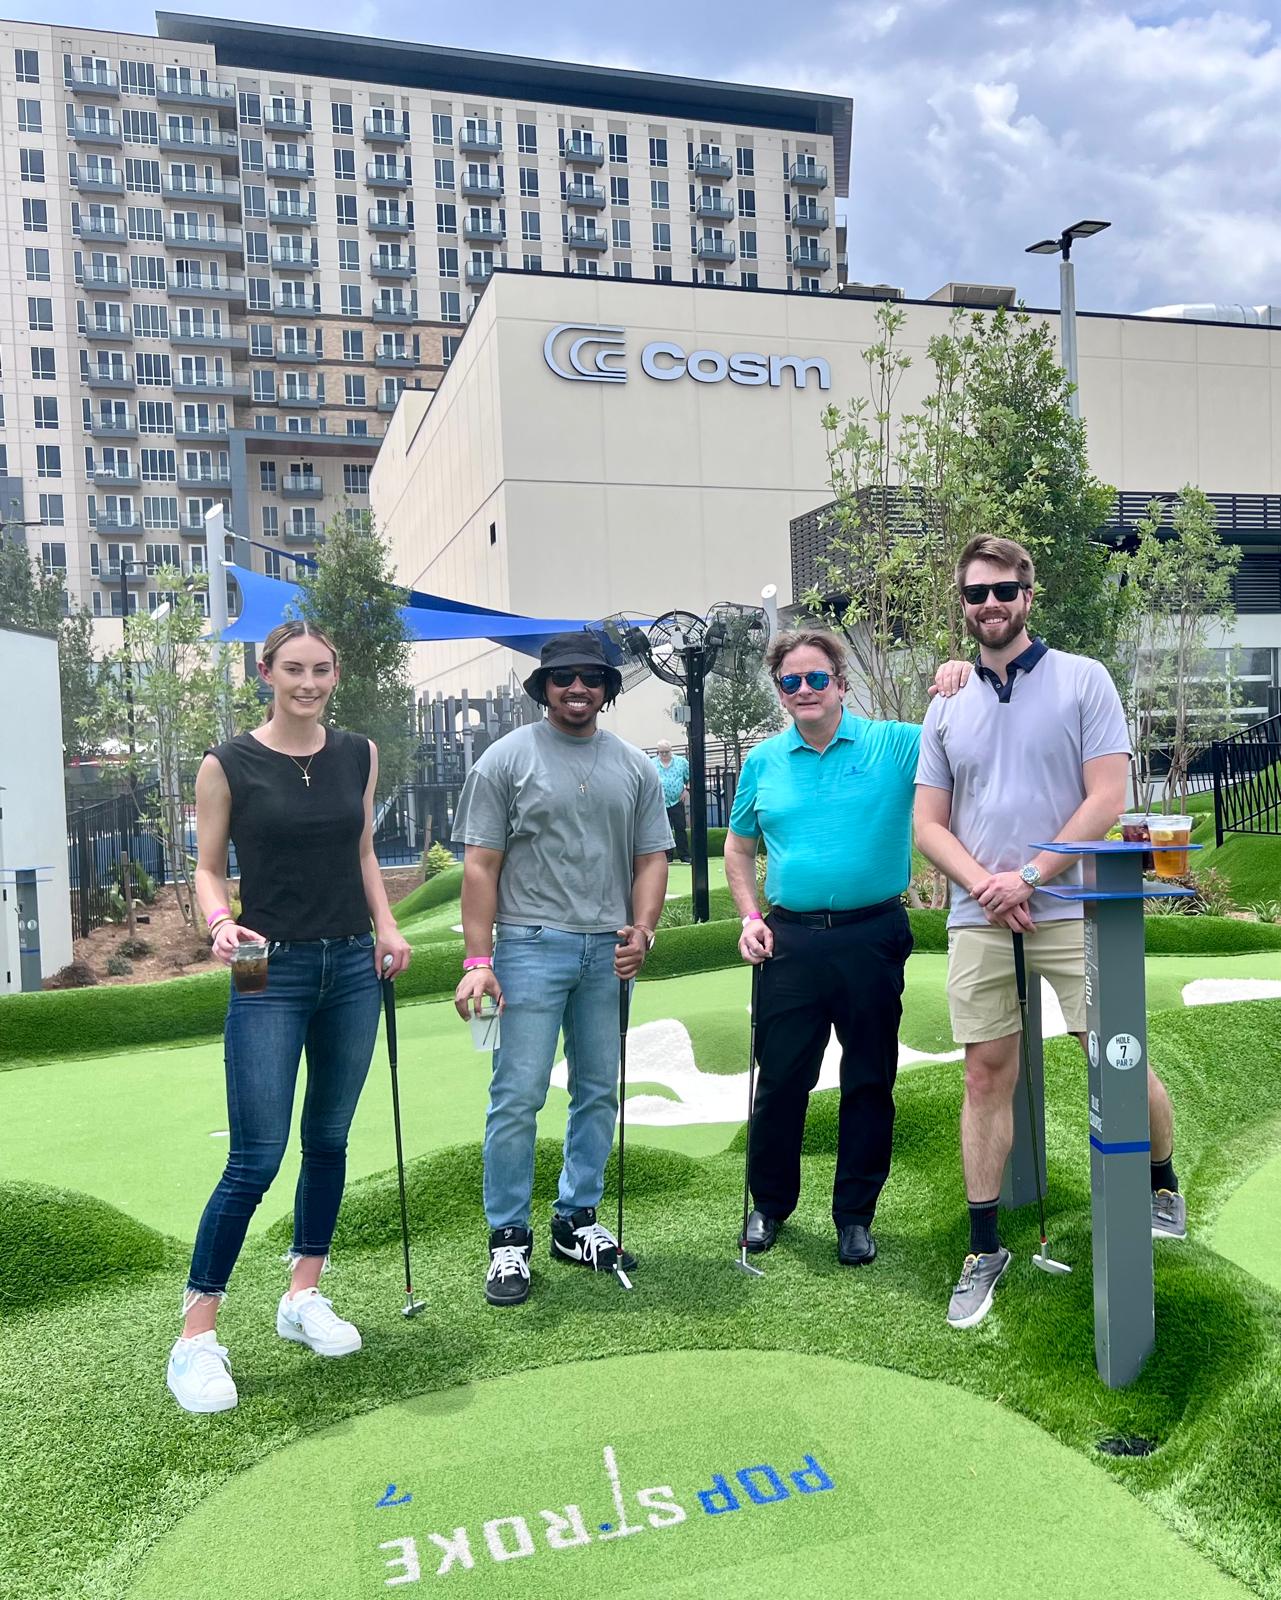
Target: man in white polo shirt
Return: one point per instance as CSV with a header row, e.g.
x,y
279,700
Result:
x,y
1034,747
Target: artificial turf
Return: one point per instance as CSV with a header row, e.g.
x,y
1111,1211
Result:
x,y
98,1464
1246,1231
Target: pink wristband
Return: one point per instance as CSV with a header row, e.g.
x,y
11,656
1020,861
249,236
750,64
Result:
x,y
222,911
477,961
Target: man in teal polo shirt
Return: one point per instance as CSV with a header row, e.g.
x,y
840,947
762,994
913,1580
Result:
x,y
832,798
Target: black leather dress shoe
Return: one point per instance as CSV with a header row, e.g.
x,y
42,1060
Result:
x,y
855,1245
761,1232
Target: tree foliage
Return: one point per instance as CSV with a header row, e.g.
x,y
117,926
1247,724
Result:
x,y
741,708
351,594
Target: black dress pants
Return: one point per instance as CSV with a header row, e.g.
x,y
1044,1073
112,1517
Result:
x,y
676,816
849,978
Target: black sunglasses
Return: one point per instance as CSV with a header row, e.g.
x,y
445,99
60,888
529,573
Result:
x,y
790,682
976,593
589,677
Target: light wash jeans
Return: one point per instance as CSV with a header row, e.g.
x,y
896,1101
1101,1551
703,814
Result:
x,y
551,981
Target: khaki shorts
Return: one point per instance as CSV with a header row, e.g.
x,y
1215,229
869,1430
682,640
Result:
x,y
982,998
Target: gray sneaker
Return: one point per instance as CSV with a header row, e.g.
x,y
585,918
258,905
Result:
x,y
972,1298
1169,1215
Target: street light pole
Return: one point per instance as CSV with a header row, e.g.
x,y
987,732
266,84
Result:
x,y
1062,247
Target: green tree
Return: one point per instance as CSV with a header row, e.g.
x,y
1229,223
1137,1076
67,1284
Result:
x,y
351,594
79,670
30,597
741,708
1177,588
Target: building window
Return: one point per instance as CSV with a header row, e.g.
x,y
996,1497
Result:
x,y
811,285
662,235
345,166
251,108
659,194
353,344
658,152
746,162
159,466
620,192
532,263
618,147
26,64
160,511
354,389
140,127
529,182
442,128
530,225
257,253
747,202
662,274
155,416
263,386
43,364
349,298
622,233
271,522
622,269
35,216
448,348
349,255
355,479
258,292
37,264
446,218
526,139
255,199
46,406
747,244
147,223
251,155
267,476
142,176
450,306
153,370
341,118
346,210
31,166
448,257
48,461
51,512
39,314
444,172
29,117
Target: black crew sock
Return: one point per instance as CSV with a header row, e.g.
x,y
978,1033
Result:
x,y
1164,1175
983,1240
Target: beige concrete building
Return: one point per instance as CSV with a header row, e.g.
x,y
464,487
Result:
x,y
230,246
597,447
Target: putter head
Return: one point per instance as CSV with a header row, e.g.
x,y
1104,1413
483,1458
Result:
x,y
744,1265
622,1276
412,1307
1050,1265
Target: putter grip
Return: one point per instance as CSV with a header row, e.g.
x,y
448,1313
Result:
x,y
1020,967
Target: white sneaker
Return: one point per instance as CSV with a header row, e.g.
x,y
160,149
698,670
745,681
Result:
x,y
199,1375
308,1318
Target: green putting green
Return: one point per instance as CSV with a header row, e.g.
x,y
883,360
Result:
x,y
792,1474
1246,1230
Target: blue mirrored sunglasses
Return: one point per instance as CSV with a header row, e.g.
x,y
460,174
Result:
x,y
790,682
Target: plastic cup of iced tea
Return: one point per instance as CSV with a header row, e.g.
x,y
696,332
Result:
x,y
249,966
1172,831
1134,830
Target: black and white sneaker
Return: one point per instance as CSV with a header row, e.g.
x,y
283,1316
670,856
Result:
x,y
581,1239
507,1281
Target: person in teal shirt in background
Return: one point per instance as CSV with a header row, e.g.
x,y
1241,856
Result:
x,y
832,798
673,774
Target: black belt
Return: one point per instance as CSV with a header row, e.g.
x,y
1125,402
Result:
x,y
834,919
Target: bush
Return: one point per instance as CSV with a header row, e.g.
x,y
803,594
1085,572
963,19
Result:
x,y
1210,936
118,966
716,841
134,949
436,860
144,885
75,975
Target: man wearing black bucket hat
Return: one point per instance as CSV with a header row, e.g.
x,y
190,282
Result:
x,y
565,870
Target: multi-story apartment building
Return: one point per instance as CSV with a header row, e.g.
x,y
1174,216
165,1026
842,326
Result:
x,y
231,246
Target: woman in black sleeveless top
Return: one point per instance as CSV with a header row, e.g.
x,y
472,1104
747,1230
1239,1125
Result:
x,y
296,798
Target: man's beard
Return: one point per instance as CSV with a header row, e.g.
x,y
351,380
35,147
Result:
x,y
996,641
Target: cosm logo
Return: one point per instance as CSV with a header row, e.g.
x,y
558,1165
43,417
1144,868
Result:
x,y
597,354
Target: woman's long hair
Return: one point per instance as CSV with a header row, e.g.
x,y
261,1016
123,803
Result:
x,y
281,634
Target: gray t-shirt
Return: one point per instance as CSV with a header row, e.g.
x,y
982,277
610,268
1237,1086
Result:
x,y
1014,767
570,815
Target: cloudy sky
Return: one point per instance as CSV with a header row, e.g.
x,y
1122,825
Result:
x,y
978,127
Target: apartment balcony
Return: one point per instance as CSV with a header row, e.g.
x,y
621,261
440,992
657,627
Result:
x,y
302,485
479,142
285,164
202,432
125,427
714,210
221,384
288,259
815,260
95,130
208,338
389,222
385,175
478,273
300,399
225,191
287,214
189,286
178,91
476,232
302,533
203,474
289,305
706,166
100,230
116,377
107,328
108,280
230,241
587,239
478,186
92,80
388,402
715,250
585,194
808,175
296,353
394,310
591,152
391,266
192,527
128,477
397,357
809,217
112,571
199,141
99,181
275,119
385,130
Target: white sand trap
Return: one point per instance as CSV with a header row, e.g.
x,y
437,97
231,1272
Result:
x,y
1215,991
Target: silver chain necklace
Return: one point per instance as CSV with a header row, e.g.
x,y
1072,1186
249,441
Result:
x,y
584,783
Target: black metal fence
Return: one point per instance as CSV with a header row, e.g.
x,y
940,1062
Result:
x,y
414,817
1247,780
97,837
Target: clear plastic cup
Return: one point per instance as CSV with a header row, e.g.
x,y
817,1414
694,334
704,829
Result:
x,y
249,966
1134,830
485,1027
1171,831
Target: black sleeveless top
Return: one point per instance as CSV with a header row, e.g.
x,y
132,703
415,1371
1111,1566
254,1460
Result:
x,y
298,844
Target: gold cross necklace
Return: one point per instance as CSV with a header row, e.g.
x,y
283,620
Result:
x,y
306,771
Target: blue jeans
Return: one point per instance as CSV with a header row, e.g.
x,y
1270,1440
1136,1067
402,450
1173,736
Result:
x,y
323,996
551,980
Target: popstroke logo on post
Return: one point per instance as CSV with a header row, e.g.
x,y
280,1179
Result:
x,y
623,1513
585,352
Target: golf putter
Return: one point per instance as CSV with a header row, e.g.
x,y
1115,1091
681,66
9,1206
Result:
x,y
1042,1258
743,1264
411,1307
624,1007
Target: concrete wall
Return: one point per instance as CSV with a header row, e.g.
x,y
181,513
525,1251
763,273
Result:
x,y
33,831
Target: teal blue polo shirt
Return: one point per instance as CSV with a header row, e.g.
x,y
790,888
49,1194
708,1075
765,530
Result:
x,y
837,825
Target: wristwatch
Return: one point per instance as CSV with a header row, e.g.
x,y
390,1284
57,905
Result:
x,y
1030,875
